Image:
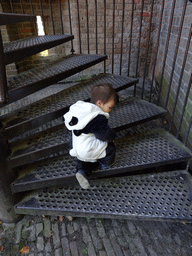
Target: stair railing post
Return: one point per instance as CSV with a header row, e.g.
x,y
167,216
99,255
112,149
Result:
x,y
7,199
3,79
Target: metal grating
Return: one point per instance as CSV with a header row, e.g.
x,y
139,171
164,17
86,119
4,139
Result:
x,y
28,42
50,70
56,105
11,18
39,146
16,50
65,98
133,111
125,114
158,196
38,78
135,152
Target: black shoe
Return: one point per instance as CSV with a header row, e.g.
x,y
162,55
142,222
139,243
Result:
x,y
82,179
103,166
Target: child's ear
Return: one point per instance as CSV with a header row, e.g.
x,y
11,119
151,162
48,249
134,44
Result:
x,y
99,103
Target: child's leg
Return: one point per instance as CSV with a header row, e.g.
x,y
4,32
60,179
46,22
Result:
x,y
84,170
87,167
110,156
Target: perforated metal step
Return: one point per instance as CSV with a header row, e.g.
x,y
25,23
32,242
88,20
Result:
x,y
125,114
56,105
17,50
135,152
12,18
160,196
38,78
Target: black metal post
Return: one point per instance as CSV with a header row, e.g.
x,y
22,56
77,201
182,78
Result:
x,y
113,35
181,75
147,52
130,39
42,16
21,3
188,131
11,4
138,52
3,79
122,28
166,48
176,51
104,34
51,11
157,47
87,14
60,12
31,5
79,27
96,31
7,199
32,10
72,50
184,105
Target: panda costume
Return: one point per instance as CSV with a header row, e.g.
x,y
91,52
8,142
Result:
x,y
91,136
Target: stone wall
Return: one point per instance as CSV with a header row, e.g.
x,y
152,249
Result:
x,y
169,64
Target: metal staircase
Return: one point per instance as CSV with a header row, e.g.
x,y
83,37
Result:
x,y
142,183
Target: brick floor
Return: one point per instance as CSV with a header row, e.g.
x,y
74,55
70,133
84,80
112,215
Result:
x,y
45,235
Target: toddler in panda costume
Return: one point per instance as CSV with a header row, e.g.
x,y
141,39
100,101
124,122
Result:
x,y
92,138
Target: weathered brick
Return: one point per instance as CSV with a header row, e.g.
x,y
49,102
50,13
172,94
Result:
x,y
39,228
18,232
63,229
65,246
70,229
40,243
91,250
56,237
108,247
100,228
86,235
114,243
47,228
58,252
73,247
94,235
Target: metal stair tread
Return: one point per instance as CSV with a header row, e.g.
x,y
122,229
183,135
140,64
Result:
x,y
66,97
154,196
40,77
125,114
136,151
11,18
16,50
56,105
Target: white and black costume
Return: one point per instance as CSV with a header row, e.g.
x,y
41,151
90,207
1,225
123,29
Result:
x,y
91,136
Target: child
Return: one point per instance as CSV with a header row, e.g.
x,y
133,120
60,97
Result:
x,y
92,138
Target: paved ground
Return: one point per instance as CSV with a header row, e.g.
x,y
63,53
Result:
x,y
47,236
57,236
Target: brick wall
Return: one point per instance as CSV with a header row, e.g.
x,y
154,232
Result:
x,y
11,69
105,44
114,43
178,64
28,29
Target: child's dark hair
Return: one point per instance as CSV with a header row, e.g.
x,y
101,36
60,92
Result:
x,y
103,92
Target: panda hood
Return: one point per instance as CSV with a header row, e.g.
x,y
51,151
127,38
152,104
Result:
x,y
81,113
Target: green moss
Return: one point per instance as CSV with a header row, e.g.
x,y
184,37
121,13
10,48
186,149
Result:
x,y
85,251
